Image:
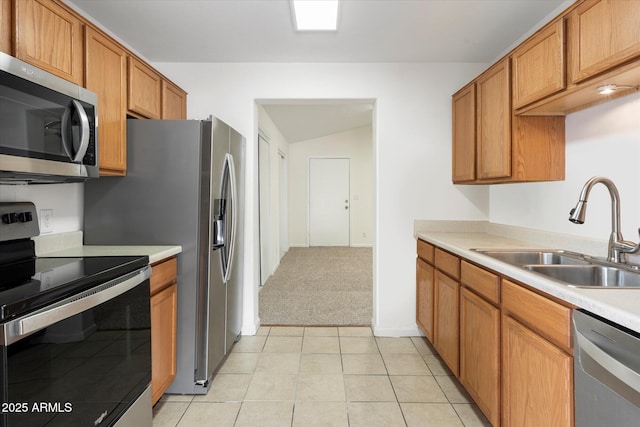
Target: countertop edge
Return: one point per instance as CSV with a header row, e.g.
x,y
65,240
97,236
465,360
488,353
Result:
x,y
156,253
621,306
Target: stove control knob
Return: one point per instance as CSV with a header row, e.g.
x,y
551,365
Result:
x,y
25,217
10,218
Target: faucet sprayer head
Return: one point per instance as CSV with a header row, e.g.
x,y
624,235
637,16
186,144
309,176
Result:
x,y
577,214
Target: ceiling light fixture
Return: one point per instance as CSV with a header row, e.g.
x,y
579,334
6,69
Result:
x,y
315,15
609,89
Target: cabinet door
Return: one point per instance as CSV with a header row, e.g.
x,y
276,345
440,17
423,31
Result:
x,y
49,37
163,340
174,102
446,325
464,134
424,298
602,34
494,122
539,66
145,88
106,75
537,379
480,353
6,27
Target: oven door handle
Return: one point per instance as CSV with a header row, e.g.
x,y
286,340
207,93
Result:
x,y
19,328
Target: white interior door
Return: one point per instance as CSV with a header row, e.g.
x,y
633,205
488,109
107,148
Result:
x,y
264,185
329,210
284,205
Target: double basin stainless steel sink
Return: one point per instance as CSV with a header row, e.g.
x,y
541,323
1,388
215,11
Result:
x,y
569,268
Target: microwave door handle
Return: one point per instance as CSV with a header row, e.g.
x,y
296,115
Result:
x,y
84,132
64,131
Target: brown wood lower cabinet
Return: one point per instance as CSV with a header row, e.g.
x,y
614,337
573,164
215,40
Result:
x,y
164,299
537,384
480,353
424,294
537,360
447,320
510,346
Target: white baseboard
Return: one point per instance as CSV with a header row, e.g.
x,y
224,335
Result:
x,y
249,329
357,245
408,331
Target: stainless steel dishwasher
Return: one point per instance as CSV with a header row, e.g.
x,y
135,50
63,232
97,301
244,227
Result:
x,y
606,372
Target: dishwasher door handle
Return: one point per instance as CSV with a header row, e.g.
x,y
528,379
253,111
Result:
x,y
619,370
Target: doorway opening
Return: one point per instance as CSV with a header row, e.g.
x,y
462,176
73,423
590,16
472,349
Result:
x,y
316,185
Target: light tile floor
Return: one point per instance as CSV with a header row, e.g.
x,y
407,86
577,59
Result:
x,y
326,376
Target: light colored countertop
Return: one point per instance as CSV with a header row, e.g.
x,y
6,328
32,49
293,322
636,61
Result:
x,y
70,245
155,253
619,305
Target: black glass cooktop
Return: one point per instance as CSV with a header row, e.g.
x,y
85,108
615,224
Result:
x,y
29,284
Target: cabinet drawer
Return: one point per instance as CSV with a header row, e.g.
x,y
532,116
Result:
x,y
480,280
546,317
425,251
163,274
447,263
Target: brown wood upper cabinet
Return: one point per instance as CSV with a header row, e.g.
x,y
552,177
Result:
x,y
145,90
602,34
539,66
504,147
494,122
48,36
174,102
106,75
464,134
602,40
6,27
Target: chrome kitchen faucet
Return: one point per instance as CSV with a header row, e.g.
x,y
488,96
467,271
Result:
x,y
618,247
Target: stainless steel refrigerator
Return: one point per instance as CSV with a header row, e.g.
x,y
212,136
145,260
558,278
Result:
x,y
184,186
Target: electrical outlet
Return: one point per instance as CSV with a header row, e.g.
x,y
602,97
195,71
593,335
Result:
x,y
364,234
46,221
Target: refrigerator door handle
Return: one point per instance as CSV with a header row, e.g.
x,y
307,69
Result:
x,y
230,169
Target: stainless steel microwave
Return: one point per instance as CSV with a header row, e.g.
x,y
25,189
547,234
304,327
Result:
x,y
48,127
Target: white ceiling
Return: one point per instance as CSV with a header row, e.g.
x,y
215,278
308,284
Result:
x,y
301,121
368,31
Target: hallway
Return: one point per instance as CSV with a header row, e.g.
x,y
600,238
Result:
x,y
320,286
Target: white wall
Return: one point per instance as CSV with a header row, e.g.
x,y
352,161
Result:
x,y
602,140
356,145
412,155
66,201
277,144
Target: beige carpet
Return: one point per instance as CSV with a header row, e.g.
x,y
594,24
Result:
x,y
319,286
